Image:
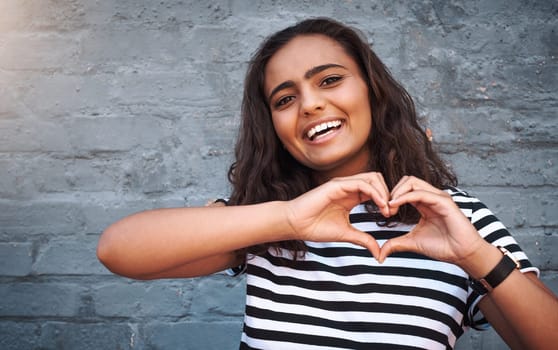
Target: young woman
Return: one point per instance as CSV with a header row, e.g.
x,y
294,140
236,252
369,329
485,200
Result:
x,y
345,221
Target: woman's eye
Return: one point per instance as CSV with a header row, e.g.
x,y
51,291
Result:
x,y
331,80
283,101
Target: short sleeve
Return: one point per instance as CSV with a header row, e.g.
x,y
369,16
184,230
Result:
x,y
494,232
236,271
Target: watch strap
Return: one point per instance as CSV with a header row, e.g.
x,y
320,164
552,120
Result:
x,y
497,275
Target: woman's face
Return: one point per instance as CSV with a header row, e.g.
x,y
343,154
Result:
x,y
319,106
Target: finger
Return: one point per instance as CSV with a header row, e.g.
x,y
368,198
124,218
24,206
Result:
x,y
403,243
364,240
420,196
399,184
382,202
370,189
381,182
407,184
410,184
377,181
368,186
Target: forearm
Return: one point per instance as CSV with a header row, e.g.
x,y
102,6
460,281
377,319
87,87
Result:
x,y
151,242
521,308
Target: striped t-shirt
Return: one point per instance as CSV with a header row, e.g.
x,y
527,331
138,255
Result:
x,y
339,297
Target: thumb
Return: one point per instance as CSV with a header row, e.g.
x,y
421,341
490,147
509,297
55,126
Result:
x,y
364,240
403,243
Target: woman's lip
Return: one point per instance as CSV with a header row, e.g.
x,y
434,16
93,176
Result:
x,y
320,125
326,136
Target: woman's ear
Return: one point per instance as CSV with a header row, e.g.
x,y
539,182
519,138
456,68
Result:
x,y
429,134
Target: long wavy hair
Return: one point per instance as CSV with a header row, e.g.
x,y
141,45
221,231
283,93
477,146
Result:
x,y
265,171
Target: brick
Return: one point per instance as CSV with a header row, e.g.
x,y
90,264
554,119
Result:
x,y
68,335
193,335
121,49
23,175
11,106
520,207
525,11
98,216
26,299
143,299
40,16
19,335
218,44
56,216
85,216
535,126
550,279
87,135
172,85
39,136
77,91
219,78
540,247
507,168
25,51
26,174
486,131
286,10
498,41
530,82
105,134
167,16
16,258
489,339
469,340
69,256
219,295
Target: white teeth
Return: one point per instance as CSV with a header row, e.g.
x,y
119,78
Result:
x,y
321,127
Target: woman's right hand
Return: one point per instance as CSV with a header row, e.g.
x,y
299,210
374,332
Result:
x,y
322,214
187,242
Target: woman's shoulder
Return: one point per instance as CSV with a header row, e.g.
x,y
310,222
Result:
x,y
467,202
460,196
457,192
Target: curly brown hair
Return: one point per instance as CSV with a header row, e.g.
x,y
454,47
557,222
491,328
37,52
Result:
x,y
265,171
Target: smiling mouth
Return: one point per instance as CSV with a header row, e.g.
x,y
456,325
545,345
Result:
x,y
322,129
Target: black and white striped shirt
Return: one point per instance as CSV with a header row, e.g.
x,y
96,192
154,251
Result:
x,y
339,297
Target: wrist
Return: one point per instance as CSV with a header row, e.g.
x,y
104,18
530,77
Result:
x,y
482,260
497,275
258,223
278,225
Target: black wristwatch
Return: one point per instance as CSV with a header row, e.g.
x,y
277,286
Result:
x,y
497,275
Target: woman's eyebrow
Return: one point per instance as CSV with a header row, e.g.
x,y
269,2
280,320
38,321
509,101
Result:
x,y
315,70
309,74
284,85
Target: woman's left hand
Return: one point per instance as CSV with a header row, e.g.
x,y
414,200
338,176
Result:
x,y
521,308
443,232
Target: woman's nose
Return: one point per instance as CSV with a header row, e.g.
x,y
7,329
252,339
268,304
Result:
x,y
311,102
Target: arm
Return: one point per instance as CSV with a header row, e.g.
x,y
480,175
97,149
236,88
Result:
x,y
502,325
522,310
187,242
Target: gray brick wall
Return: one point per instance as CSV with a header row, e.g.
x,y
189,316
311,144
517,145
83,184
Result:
x,y
110,107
